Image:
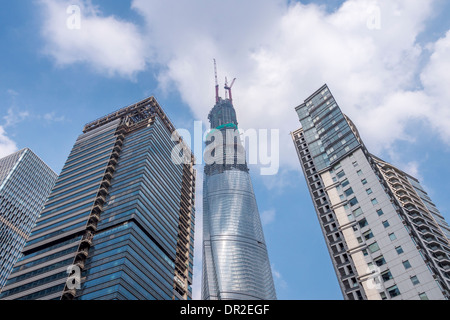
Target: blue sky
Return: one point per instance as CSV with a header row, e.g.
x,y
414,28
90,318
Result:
x,y
390,80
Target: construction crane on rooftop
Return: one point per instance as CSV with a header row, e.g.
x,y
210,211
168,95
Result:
x,y
228,88
228,94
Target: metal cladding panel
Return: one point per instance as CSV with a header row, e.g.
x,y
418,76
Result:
x,y
236,263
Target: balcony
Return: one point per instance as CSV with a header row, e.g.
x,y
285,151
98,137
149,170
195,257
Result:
x,y
100,200
430,239
97,209
103,191
83,253
87,239
406,199
80,264
110,168
437,249
425,231
112,162
122,130
115,155
69,294
398,187
108,176
91,226
106,184
394,180
95,217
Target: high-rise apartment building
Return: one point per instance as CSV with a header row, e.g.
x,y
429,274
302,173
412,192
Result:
x,y
386,238
235,260
119,222
25,182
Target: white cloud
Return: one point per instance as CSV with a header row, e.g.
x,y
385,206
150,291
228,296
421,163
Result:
x,y
435,79
280,52
267,217
7,146
52,117
14,117
107,44
278,279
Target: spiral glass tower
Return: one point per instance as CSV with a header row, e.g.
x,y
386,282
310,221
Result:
x,y
235,260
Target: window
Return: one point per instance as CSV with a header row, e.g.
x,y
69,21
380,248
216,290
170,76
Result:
x,y
406,264
386,224
364,181
399,250
340,174
383,296
360,240
415,280
380,212
351,217
393,291
355,164
386,276
342,197
369,191
423,296
374,201
363,223
348,192
360,172
345,183
368,235
353,201
374,247
392,236
380,261
365,253
357,212
335,179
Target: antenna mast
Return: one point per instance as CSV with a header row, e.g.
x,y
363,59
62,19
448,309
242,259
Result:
x,y
217,82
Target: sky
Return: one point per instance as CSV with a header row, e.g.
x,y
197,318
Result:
x,y
386,62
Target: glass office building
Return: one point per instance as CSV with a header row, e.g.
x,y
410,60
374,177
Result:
x,y
385,237
235,260
119,222
25,182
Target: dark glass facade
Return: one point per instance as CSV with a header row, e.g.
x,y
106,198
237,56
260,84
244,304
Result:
x,y
119,223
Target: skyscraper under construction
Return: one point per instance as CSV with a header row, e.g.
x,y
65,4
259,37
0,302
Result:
x,y
235,260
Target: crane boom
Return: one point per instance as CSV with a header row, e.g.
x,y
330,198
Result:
x,y
228,88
